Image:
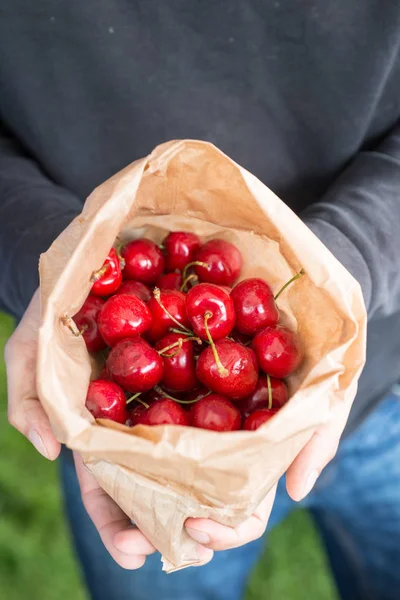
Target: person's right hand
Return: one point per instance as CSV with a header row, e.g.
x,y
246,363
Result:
x,y
126,544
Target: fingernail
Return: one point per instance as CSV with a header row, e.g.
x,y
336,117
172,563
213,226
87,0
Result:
x,y
199,536
310,482
37,441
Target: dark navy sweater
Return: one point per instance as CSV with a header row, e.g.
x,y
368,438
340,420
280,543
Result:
x,y
303,93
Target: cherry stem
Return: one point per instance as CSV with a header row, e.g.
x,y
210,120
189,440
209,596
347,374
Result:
x,y
221,369
73,328
189,278
162,392
157,296
269,392
120,257
178,344
136,397
195,263
96,275
299,274
188,333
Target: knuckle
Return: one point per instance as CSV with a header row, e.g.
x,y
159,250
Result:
x,y
9,348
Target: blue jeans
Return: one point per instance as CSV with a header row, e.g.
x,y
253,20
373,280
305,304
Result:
x,y
355,504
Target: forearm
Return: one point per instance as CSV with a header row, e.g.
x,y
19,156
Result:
x,y
33,211
358,220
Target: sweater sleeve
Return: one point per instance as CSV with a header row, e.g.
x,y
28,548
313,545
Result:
x,y
358,219
33,211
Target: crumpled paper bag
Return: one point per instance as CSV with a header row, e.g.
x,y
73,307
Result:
x,y
160,476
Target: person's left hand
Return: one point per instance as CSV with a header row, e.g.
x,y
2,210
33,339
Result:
x,y
300,479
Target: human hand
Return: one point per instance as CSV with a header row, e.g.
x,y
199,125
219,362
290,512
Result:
x,y
126,544
214,536
300,479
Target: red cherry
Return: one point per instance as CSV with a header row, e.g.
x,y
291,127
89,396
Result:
x,y
170,281
137,416
217,413
135,365
86,321
260,398
258,418
123,316
144,261
208,298
224,262
106,400
255,306
166,412
135,288
180,248
107,280
174,303
278,351
239,374
179,364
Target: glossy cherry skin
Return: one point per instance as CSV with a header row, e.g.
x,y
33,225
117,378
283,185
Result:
x,y
166,412
278,351
170,281
180,249
255,306
123,316
106,400
175,303
109,282
135,365
135,288
258,418
179,368
207,297
86,321
224,260
260,397
144,261
137,415
240,363
216,413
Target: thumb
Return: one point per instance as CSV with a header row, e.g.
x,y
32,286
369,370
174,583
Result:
x,y
316,454
28,417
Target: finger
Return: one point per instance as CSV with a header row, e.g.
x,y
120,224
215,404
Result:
x,y
220,537
126,544
25,412
316,454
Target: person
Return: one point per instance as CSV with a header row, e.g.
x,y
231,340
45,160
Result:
x,y
306,96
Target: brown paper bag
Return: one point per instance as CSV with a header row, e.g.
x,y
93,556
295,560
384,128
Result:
x,y
162,475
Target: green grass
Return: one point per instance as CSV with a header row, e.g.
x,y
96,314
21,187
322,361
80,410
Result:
x,y
36,559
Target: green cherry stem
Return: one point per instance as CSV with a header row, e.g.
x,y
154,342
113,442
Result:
x,y
136,397
119,255
189,278
283,288
195,263
162,392
157,296
178,344
269,392
221,369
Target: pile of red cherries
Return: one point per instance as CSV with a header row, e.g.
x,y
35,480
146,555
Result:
x,y
181,345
